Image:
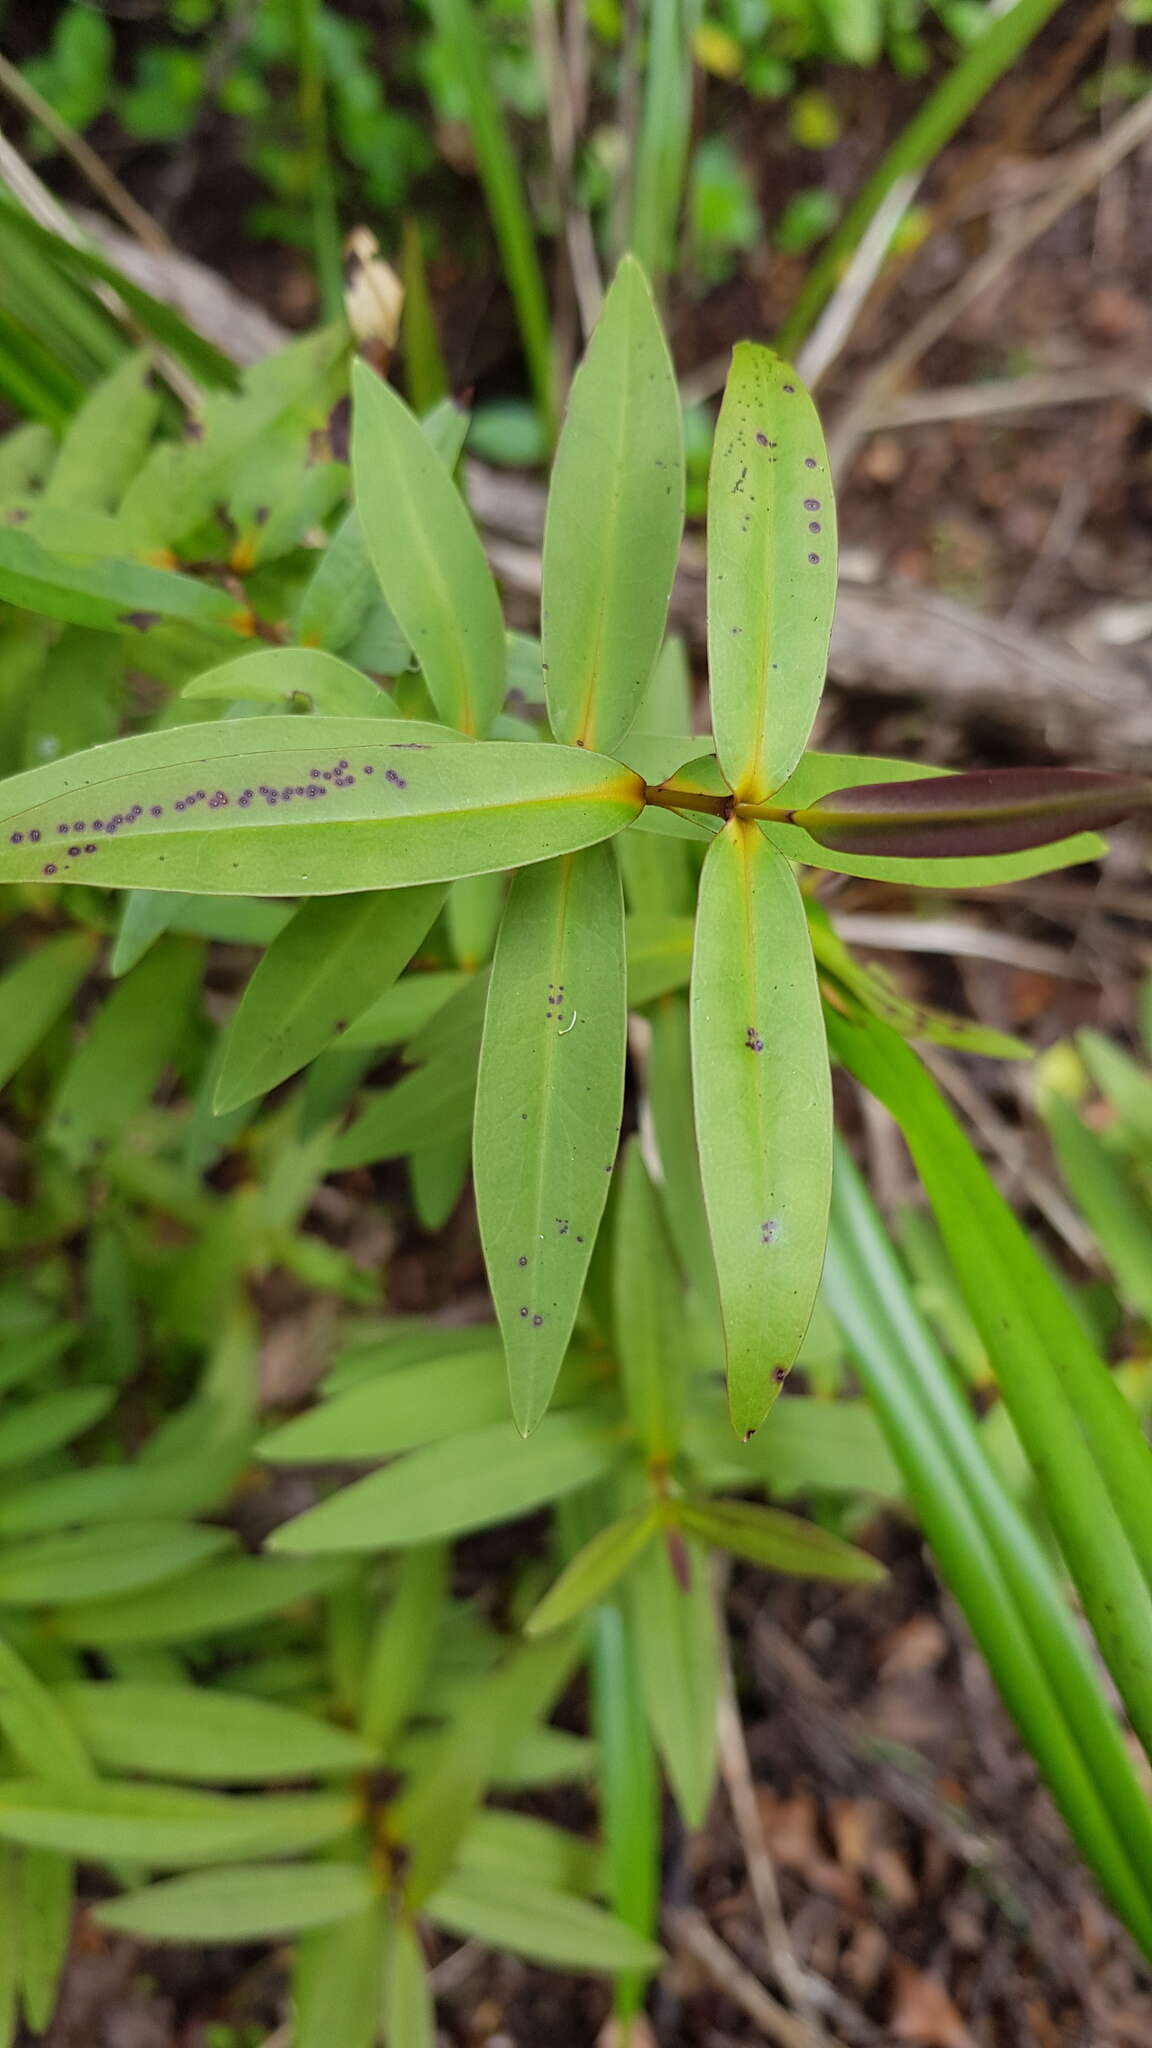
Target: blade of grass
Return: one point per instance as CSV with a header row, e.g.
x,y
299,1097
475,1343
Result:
x,y
458,25
989,1555
983,64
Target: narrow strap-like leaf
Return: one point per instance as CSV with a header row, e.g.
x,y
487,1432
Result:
x,y
987,812
771,571
427,555
548,1107
763,1110
615,513
338,954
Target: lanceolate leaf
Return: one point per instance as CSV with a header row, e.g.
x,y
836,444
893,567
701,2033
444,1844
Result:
x,y
771,571
165,1826
818,774
226,809
991,811
206,1737
548,1106
469,1482
37,991
769,1537
112,596
551,1927
594,1569
278,673
763,1110
252,1902
428,557
674,1633
615,513
337,956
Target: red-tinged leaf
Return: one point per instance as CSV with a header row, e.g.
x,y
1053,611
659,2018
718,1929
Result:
x,y
991,811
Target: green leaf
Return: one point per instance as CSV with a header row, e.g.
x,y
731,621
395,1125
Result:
x,y
35,1427
409,2020
782,1542
1123,1083
988,812
498,1716
819,773
252,1902
548,1107
1084,1441
191,1733
37,991
607,579
806,1445
763,1110
648,1314
669,1080
474,909
771,571
470,1482
426,812
520,1846
112,596
427,555
134,1036
107,439
629,1788
399,1014
434,1102
154,1825
118,1493
401,1648
594,1569
9,1946
45,1922
396,1411
1109,1199
674,1633
336,1983
275,674
549,1927
88,1565
335,957
210,1602
39,1734
1011,1591
659,951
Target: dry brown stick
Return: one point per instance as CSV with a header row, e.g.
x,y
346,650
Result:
x,y
1079,178
692,1934
92,167
1085,385
737,1774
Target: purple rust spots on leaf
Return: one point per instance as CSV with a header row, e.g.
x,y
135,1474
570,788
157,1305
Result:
x,y
780,1374
142,622
769,1231
753,1041
811,504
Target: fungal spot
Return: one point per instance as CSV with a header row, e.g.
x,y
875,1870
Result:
x,y
199,796
396,780
536,1322
63,830
811,504
763,440
814,558
748,1435
90,848
780,1375
814,526
73,852
524,1313
156,811
141,621
16,839
50,867
179,804
217,801
367,769
79,826
522,1260
562,1225
810,462
34,836
769,1231
790,389
579,1240
753,1040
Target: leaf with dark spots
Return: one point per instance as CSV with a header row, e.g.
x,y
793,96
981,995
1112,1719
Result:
x,y
988,812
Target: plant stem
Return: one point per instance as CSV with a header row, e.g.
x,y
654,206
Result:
x,y
688,800
321,184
